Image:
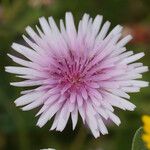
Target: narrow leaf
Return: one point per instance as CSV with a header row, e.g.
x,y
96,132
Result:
x,y
137,143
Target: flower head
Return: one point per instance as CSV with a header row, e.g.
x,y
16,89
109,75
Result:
x,y
146,135
86,71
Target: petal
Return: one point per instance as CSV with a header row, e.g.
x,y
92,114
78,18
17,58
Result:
x,y
28,98
74,117
46,116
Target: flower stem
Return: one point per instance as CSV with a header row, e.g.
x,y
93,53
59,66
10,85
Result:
x,y
79,139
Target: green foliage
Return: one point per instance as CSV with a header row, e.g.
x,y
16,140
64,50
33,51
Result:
x,y
138,143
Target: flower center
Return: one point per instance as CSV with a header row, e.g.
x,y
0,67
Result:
x,y
70,73
75,80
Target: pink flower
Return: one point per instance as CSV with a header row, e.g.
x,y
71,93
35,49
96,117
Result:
x,y
87,71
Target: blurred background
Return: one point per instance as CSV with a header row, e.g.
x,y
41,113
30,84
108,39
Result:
x,y
17,128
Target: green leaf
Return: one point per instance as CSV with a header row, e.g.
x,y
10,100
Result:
x,y
137,143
